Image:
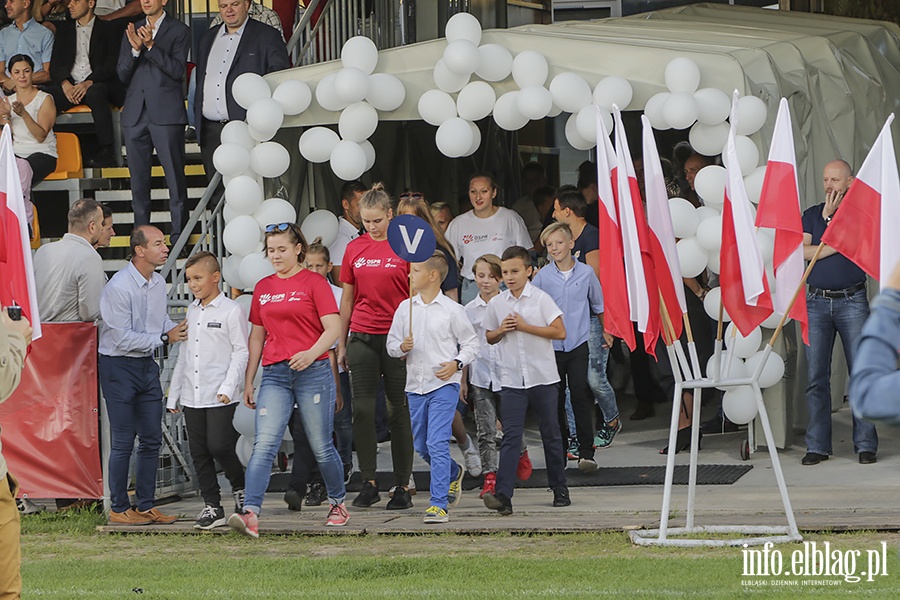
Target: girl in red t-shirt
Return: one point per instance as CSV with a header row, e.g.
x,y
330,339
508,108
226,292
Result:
x,y
295,322
375,282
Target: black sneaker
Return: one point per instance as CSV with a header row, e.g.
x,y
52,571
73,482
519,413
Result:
x,y
210,517
561,497
348,472
238,500
294,499
317,494
505,505
401,500
368,496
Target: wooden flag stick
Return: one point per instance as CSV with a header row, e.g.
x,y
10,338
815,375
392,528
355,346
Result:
x,y
799,289
687,328
721,316
410,307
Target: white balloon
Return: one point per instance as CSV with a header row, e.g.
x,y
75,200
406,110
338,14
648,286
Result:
x,y
771,373
386,92
270,159
237,132
243,300
454,137
682,75
351,85
244,420
317,143
436,106
534,102
691,257
261,135
739,405
654,111
736,370
747,153
228,213
244,195
358,122
248,88
586,122
710,184
495,64
715,106
704,212
709,233
613,90
244,448
476,101
506,112
708,140
241,235
711,305
555,111
476,139
744,347
463,26
530,68
680,110
684,218
348,160
461,57
570,92
254,267
231,271
369,149
573,137
275,210
265,116
320,223
754,182
714,262
447,80
326,96
360,52
231,159
751,115
293,95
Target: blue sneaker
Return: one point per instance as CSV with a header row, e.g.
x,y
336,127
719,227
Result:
x,y
606,434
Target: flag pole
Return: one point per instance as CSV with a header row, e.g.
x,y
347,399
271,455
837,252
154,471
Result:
x,y
799,289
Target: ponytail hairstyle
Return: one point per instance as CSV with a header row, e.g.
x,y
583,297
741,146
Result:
x,y
378,198
319,249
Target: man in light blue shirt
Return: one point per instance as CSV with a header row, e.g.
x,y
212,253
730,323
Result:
x,y
25,36
135,323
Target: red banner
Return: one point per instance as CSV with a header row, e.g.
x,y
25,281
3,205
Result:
x,y
51,423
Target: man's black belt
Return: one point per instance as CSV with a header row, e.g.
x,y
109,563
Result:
x,y
833,294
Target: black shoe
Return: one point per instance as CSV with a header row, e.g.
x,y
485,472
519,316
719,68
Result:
x,y
401,500
348,472
812,458
104,158
190,134
716,426
317,494
294,499
368,496
211,517
561,497
238,496
867,458
683,441
505,504
643,411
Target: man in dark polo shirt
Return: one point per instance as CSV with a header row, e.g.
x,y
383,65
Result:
x,y
837,303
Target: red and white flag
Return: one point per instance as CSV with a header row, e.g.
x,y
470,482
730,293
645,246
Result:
x,y
779,209
662,232
616,316
864,228
16,270
640,277
745,290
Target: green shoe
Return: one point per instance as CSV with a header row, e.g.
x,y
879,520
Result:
x,y
436,514
605,434
455,493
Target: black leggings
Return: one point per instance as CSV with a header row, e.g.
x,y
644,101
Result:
x,y
41,166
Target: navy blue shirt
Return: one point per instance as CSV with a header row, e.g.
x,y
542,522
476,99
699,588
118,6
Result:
x,y
835,272
588,241
451,281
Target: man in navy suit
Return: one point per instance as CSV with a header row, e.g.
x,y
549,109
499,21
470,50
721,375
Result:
x,y
240,45
152,63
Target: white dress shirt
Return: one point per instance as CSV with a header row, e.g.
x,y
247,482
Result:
x,y
214,357
346,234
441,333
82,67
221,57
526,360
483,370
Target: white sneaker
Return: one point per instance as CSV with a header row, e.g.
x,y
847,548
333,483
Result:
x,y
472,459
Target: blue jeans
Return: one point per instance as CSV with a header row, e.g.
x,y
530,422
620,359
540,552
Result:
x,y
467,291
845,316
313,391
432,417
603,392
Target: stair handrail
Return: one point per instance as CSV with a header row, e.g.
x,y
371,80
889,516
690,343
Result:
x,y
301,26
170,265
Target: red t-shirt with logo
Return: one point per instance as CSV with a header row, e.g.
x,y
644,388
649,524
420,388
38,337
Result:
x,y
290,310
380,282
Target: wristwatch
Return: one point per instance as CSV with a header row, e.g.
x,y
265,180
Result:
x,y
165,338
459,364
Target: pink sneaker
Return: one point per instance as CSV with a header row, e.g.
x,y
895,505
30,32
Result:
x,y
245,523
337,516
523,470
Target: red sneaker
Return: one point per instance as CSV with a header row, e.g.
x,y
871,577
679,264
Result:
x,y
490,484
523,471
337,516
245,523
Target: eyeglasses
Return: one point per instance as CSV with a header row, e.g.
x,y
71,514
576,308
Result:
x,y
273,227
413,195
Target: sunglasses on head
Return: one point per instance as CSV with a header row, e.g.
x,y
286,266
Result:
x,y
273,227
413,195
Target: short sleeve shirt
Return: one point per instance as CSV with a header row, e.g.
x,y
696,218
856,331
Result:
x,y
380,281
835,272
473,236
34,39
588,241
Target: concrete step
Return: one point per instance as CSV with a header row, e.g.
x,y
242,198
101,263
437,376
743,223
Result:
x,y
155,171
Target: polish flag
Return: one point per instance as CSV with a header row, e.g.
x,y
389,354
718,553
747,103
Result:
x,y
745,290
662,233
864,228
640,276
16,271
616,318
779,209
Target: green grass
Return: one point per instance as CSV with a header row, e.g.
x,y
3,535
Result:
x,y
63,557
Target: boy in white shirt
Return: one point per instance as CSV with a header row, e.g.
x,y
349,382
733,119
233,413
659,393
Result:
x,y
207,383
523,321
442,343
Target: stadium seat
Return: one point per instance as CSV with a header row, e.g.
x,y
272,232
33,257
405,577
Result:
x,y
68,165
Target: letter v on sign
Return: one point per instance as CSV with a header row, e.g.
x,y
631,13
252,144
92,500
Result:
x,y
411,238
